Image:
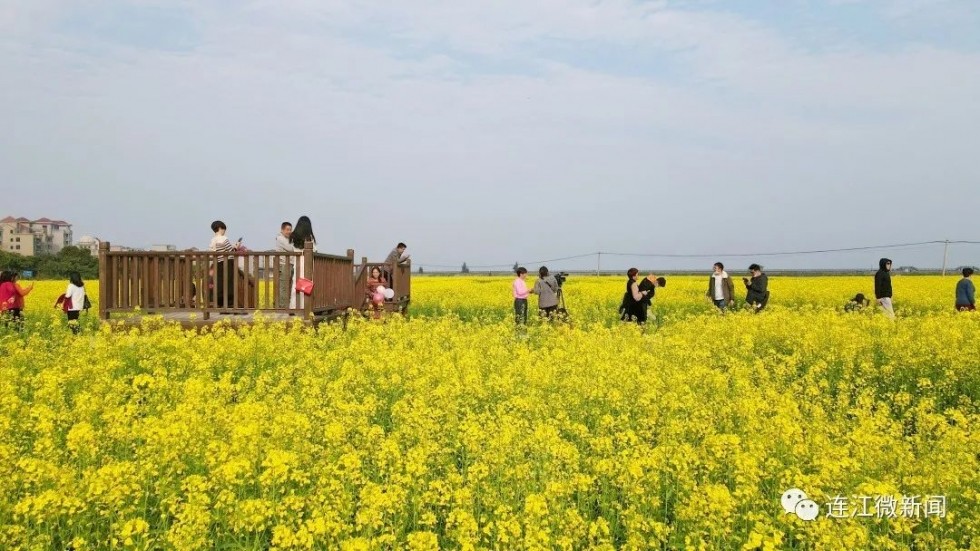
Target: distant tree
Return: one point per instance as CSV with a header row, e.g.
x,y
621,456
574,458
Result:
x,y
465,269
516,266
420,269
54,266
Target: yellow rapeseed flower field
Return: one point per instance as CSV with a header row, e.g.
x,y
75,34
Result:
x,y
452,429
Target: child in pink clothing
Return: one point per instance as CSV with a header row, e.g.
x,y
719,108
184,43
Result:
x,y
520,296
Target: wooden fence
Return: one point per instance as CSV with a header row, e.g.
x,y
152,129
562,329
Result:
x,y
206,283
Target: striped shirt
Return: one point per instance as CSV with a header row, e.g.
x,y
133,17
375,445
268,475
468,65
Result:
x,y
220,243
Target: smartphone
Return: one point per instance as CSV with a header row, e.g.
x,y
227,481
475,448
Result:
x,y
240,239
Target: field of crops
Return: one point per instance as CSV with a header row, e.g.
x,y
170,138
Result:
x,y
451,429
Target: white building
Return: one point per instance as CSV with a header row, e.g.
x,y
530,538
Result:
x,y
89,243
31,237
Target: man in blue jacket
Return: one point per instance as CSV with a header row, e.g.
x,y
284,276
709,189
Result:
x,y
883,286
966,293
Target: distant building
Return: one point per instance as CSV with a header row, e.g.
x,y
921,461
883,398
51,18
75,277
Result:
x,y
32,237
89,243
163,248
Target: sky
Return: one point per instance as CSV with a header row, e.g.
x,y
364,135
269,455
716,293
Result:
x,y
506,131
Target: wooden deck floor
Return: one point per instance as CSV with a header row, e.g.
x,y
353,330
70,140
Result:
x,y
196,320
190,319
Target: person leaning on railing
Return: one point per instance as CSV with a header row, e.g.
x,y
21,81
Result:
x,y
396,257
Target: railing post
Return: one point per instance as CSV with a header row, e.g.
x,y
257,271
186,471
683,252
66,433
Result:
x,y
308,274
104,292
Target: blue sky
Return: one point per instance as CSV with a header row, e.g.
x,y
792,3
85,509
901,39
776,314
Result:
x,y
490,132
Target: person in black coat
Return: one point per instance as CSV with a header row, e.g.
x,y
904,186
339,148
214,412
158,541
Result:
x,y
650,284
883,286
632,309
757,288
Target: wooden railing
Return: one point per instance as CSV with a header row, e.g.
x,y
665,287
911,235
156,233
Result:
x,y
399,279
211,282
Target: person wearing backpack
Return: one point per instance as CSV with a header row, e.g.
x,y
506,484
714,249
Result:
x,y
546,287
74,300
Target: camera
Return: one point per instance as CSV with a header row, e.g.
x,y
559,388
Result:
x,y
560,277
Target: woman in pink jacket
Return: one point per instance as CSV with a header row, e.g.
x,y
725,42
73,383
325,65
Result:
x,y
12,298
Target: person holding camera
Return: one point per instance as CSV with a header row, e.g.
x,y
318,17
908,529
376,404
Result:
x,y
757,288
858,303
632,307
546,287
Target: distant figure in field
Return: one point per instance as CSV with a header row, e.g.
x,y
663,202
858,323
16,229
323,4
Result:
x,y
966,293
224,275
12,298
373,291
520,296
302,232
546,287
856,304
757,288
883,287
284,244
721,290
632,308
649,284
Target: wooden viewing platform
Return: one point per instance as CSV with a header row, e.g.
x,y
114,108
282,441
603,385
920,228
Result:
x,y
199,288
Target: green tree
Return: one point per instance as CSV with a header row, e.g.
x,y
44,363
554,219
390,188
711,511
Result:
x,y
465,269
54,266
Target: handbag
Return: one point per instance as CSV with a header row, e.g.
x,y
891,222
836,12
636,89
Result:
x,y
304,286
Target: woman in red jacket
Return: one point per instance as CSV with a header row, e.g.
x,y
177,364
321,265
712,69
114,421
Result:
x,y
375,299
12,297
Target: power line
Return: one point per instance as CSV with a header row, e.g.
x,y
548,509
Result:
x,y
706,255
782,253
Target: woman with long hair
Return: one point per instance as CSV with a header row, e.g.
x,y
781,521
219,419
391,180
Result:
x,y
12,298
375,299
302,232
75,294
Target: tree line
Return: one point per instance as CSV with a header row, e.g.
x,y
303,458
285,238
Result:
x,y
54,266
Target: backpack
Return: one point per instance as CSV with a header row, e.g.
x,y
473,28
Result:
x,y
87,304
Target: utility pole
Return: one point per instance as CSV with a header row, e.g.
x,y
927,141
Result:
x,y
598,263
945,255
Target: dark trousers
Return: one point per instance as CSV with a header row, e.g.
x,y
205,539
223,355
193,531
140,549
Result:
x,y
547,311
73,317
520,311
13,316
224,276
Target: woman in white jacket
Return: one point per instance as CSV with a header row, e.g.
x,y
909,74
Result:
x,y
302,232
76,294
